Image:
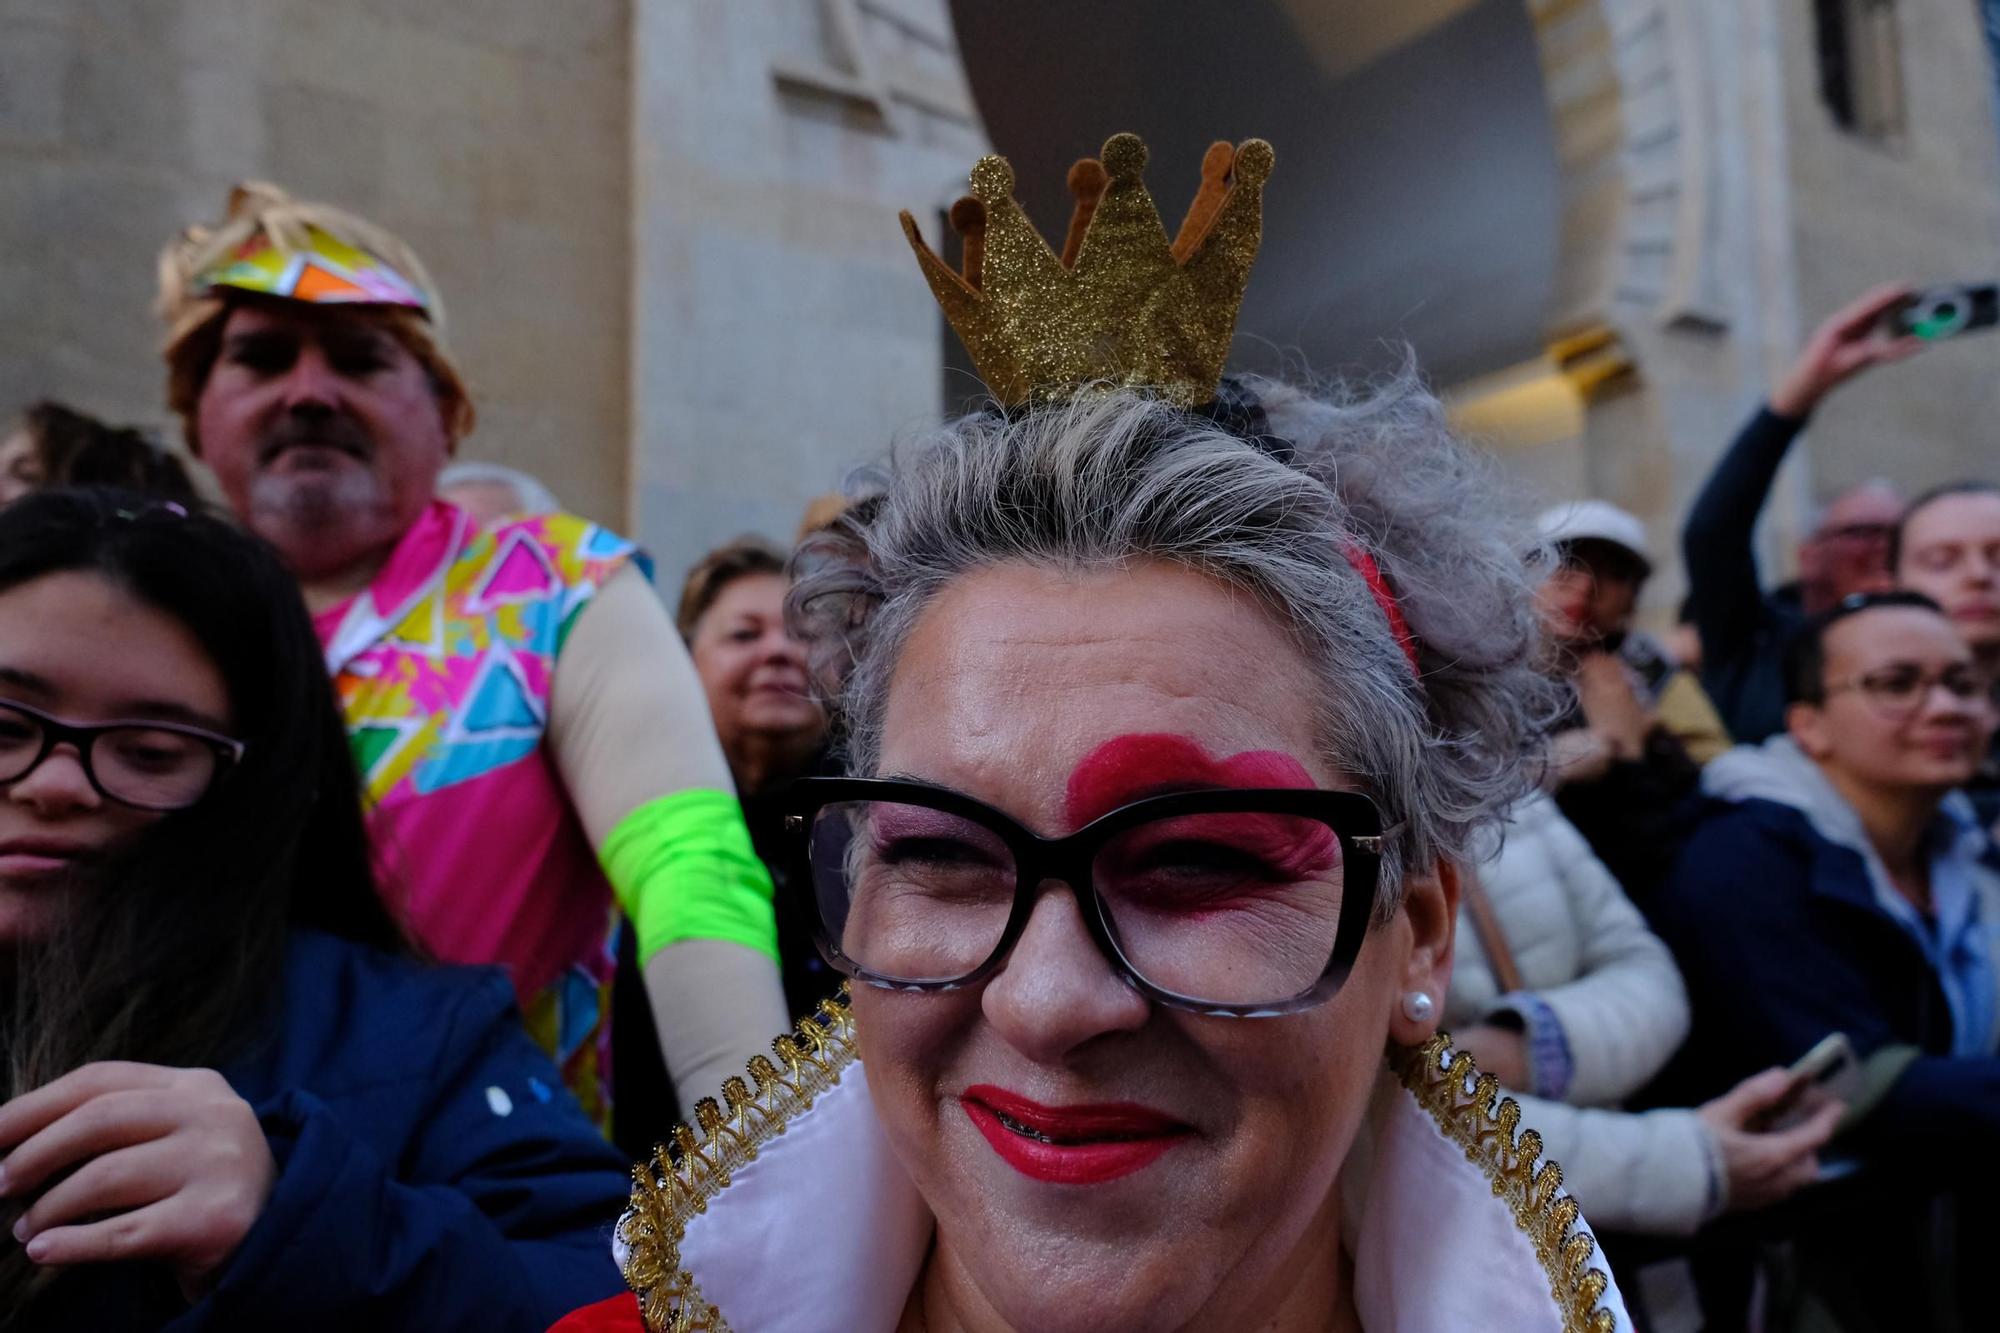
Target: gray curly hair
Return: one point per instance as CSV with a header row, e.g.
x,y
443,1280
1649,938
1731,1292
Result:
x,y
1115,476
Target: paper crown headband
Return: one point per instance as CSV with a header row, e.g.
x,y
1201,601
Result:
x,y
324,271
271,244
1122,305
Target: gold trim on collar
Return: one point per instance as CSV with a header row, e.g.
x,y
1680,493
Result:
x,y
683,1177
1462,1102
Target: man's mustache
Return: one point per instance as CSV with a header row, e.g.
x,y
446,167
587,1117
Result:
x,y
329,432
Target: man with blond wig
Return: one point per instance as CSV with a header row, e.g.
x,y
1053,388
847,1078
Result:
x,y
533,744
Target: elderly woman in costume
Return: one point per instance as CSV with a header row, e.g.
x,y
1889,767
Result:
x,y
1174,716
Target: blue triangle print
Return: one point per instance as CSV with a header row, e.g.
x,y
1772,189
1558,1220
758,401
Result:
x,y
472,758
499,704
603,544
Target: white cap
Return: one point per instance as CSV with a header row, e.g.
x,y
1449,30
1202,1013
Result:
x,y
1594,520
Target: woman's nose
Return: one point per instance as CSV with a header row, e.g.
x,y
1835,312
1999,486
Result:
x,y
779,646
57,785
1056,991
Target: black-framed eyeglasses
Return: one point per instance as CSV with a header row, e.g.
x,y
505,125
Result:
x,y
1897,692
1241,903
158,766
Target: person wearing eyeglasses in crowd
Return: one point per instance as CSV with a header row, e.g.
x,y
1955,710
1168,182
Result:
x,y
1742,627
1169,730
1841,883
1128,930
230,1096
1948,548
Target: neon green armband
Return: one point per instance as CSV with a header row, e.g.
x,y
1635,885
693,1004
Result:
x,y
683,869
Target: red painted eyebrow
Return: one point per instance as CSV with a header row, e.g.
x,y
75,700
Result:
x,y
1132,767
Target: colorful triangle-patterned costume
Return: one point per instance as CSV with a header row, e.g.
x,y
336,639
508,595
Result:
x,y
445,666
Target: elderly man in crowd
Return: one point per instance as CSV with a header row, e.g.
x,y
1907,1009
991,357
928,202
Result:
x,y
1743,628
534,746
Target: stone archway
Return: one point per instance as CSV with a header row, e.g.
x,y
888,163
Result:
x,y
1623,84
1564,339
1694,200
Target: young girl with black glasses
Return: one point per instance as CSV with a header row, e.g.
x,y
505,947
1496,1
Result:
x,y
229,1097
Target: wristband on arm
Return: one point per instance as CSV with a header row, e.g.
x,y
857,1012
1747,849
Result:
x,y
683,869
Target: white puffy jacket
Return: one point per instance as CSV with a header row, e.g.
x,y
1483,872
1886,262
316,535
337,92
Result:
x,y
1603,1008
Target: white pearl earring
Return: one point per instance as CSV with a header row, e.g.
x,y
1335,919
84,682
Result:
x,y
1418,1006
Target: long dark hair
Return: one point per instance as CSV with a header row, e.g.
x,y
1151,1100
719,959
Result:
x,y
174,952
177,959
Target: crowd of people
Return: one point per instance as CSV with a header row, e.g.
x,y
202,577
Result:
x,y
378,850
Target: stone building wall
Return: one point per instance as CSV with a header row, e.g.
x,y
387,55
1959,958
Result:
x,y
492,134
1920,206
1675,280
665,228
780,329
1718,213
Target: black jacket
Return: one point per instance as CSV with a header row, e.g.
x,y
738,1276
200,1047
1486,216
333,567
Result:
x,y
1744,630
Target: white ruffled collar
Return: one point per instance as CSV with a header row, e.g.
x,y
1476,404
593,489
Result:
x,y
788,1212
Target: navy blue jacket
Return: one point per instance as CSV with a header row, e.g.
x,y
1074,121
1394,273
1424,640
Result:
x,y
1743,629
433,1175
1781,942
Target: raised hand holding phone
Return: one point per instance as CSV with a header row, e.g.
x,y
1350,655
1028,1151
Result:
x,y
1852,340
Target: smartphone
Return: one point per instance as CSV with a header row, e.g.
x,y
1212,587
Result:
x,y
1832,1065
1947,311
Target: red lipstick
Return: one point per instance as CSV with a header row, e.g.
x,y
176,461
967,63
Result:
x,y
1071,1145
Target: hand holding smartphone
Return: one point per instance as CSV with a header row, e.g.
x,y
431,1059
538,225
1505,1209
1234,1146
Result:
x,y
1829,1070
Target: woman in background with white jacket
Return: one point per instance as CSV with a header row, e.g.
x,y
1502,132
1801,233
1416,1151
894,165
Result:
x,y
1562,993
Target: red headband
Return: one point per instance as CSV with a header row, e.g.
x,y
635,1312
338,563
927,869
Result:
x,y
1378,587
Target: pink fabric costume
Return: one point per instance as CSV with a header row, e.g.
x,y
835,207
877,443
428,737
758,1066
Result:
x,y
444,666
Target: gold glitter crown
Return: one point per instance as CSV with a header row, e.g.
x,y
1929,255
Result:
x,y
1121,305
